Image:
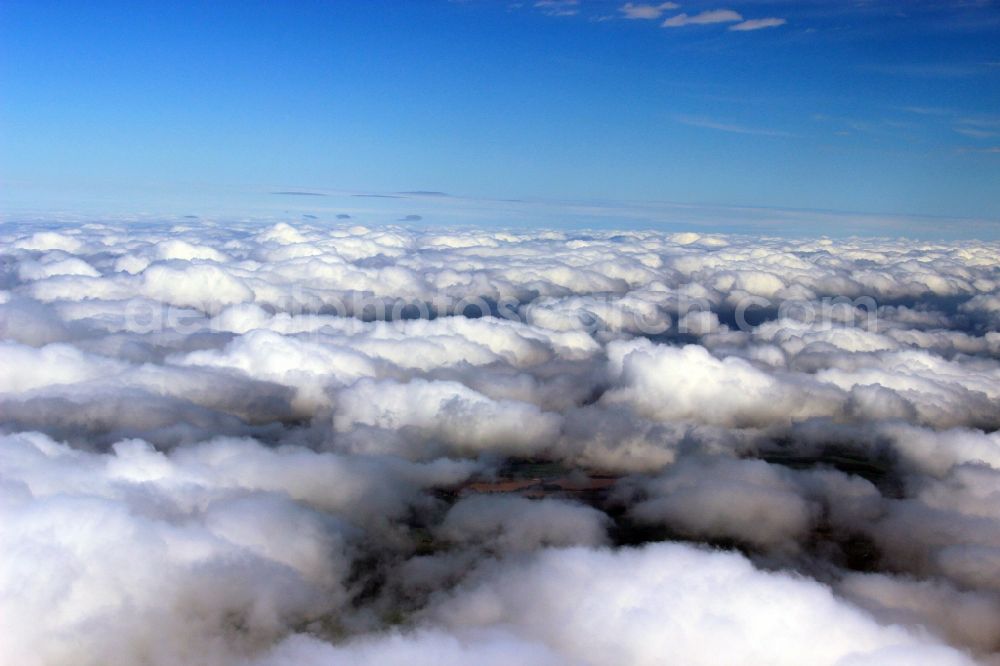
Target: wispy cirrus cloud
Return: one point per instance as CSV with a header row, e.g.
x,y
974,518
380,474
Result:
x,y
978,126
987,121
558,7
631,10
988,150
708,123
976,132
928,110
758,24
706,17
973,126
931,70
712,16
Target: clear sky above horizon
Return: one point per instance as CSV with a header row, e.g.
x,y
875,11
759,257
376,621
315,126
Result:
x,y
879,107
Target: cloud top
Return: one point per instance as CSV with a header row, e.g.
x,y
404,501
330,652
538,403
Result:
x,y
313,444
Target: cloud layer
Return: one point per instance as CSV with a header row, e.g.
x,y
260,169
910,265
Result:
x,y
307,444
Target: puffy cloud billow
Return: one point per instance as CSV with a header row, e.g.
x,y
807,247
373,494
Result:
x,y
269,445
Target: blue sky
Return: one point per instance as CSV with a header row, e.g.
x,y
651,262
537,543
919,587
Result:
x,y
878,107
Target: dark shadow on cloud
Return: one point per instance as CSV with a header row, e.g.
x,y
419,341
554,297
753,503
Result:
x,y
411,218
